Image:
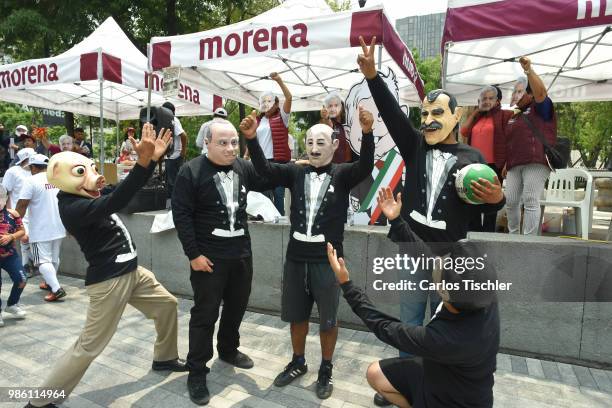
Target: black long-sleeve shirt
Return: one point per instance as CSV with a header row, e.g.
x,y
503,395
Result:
x,y
449,215
200,208
102,236
459,350
332,202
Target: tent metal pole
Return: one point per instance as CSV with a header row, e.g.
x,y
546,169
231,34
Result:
x,y
102,126
604,32
562,66
445,65
101,79
117,122
149,86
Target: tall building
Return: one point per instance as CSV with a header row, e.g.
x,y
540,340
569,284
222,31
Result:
x,y
422,32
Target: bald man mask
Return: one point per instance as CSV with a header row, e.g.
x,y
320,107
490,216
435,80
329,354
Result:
x,y
320,145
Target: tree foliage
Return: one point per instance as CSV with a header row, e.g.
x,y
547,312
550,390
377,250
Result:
x,y
429,69
589,126
12,115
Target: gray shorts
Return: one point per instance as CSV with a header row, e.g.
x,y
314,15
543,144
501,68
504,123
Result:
x,y
305,283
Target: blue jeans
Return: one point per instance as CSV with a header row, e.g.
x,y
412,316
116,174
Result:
x,y
12,264
413,303
279,199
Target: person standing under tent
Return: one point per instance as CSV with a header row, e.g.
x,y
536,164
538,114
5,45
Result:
x,y
485,130
319,203
209,212
13,181
175,160
273,133
219,115
46,231
526,167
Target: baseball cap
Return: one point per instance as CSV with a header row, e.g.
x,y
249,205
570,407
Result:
x,y
21,129
24,154
221,112
39,159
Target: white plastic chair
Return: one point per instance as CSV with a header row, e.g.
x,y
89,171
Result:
x,y
561,192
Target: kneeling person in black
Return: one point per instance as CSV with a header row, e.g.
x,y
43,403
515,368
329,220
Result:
x,y
456,351
319,204
209,211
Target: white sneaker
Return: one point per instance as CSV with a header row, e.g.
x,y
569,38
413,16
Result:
x,y
1,321
16,311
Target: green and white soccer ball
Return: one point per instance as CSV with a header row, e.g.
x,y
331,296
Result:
x,y
465,176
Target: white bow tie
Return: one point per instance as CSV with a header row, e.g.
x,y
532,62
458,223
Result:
x,y
226,176
437,154
315,176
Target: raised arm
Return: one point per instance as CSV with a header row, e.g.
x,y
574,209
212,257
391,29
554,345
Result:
x,y
286,93
535,82
149,149
357,171
405,136
276,173
404,337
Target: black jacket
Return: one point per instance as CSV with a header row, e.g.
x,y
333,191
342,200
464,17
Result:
x,y
448,206
333,197
459,350
103,238
199,207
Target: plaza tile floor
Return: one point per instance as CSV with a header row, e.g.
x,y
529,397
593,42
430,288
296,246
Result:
x,y
121,376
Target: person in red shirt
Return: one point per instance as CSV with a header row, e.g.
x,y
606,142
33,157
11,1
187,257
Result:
x,y
65,144
485,131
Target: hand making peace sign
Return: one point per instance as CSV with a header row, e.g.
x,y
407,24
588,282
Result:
x,y
366,61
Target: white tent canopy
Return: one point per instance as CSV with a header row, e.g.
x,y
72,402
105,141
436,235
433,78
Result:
x,y
105,60
568,41
303,40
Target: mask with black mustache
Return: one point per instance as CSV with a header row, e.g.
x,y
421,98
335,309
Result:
x,y
438,118
431,126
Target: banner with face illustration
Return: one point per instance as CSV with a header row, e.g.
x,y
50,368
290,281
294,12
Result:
x,y
388,164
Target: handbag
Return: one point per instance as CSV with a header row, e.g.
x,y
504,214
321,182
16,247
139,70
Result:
x,y
554,158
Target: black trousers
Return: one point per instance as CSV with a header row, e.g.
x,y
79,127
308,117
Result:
x,y
230,281
172,167
486,222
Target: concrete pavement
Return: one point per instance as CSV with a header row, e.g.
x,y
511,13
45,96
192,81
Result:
x,y
121,376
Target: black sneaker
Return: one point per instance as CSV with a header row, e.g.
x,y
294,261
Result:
x,y
239,360
44,406
27,269
381,401
198,391
325,384
292,371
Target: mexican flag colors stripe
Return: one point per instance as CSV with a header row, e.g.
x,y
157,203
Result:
x,y
388,176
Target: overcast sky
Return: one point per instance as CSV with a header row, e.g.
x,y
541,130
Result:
x,y
402,8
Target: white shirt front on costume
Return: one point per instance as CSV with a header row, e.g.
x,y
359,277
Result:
x,y
227,182
316,182
439,163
